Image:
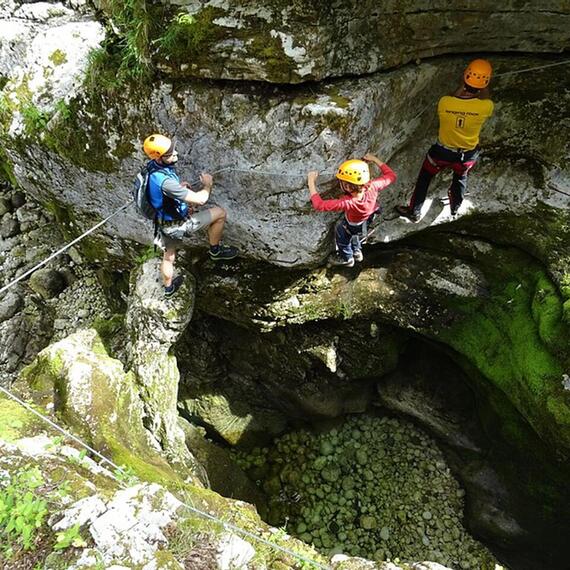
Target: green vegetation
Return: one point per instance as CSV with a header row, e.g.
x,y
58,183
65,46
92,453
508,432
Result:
x,y
186,33
518,340
15,421
58,57
35,120
69,537
147,253
22,511
108,328
5,111
133,21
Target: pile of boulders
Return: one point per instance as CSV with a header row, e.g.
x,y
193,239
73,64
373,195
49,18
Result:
x,y
374,487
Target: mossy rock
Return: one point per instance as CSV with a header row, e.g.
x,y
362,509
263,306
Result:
x,y
81,380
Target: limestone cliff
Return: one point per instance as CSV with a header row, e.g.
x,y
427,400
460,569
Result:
x,y
259,97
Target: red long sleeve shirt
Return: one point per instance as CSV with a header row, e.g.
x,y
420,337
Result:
x,y
357,210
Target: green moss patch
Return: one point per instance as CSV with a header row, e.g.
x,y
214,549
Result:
x,y
517,338
58,57
17,422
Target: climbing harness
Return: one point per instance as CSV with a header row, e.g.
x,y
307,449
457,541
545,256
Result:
x,y
120,479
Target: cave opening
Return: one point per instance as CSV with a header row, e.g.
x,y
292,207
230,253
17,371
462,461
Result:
x,y
428,418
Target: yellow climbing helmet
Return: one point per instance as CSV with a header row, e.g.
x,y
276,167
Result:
x,y
354,171
478,73
157,146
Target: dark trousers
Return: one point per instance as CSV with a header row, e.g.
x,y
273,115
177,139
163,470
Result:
x,y
438,158
349,237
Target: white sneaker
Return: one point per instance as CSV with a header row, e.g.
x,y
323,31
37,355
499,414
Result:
x,y
159,242
358,255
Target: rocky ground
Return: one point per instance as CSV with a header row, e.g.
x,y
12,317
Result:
x,y
58,299
373,487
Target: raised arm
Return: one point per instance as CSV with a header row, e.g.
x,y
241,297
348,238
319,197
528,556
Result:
x,y
312,182
317,202
388,175
199,197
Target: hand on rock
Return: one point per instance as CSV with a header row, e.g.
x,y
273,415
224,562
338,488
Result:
x,y
206,179
312,176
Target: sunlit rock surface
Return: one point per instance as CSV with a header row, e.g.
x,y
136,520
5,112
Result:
x,y
292,42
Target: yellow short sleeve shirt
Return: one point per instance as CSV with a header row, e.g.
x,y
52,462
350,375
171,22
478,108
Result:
x,y
460,120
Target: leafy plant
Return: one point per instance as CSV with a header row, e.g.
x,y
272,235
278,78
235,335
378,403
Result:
x,y
34,119
186,33
22,511
55,443
146,254
126,474
131,22
69,537
62,109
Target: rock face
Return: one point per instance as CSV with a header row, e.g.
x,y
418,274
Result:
x,y
154,323
43,47
259,145
238,390
99,520
78,375
292,42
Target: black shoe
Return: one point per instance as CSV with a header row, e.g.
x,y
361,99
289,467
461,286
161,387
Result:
x,y
336,259
409,214
175,285
224,252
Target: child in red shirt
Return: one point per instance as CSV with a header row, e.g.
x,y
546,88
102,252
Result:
x,y
358,204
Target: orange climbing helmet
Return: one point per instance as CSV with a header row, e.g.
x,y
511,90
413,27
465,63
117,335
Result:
x,y
354,171
156,146
478,74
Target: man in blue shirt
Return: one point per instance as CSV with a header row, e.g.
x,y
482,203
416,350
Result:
x,y
173,203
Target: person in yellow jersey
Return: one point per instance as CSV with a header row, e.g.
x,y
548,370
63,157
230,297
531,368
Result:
x,y
461,117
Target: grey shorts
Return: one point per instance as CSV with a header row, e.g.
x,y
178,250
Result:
x,y
172,235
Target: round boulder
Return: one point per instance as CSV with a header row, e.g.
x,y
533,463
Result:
x,y
47,282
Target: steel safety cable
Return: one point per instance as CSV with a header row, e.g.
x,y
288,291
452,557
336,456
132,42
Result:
x,y
76,240
64,248
537,68
123,484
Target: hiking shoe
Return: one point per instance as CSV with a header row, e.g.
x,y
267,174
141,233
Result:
x,y
336,259
224,252
409,214
159,242
358,256
175,285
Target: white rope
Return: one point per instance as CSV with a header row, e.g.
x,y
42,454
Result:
x,y
64,248
123,484
532,68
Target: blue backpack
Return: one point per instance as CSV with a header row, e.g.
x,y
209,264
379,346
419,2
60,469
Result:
x,y
140,195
